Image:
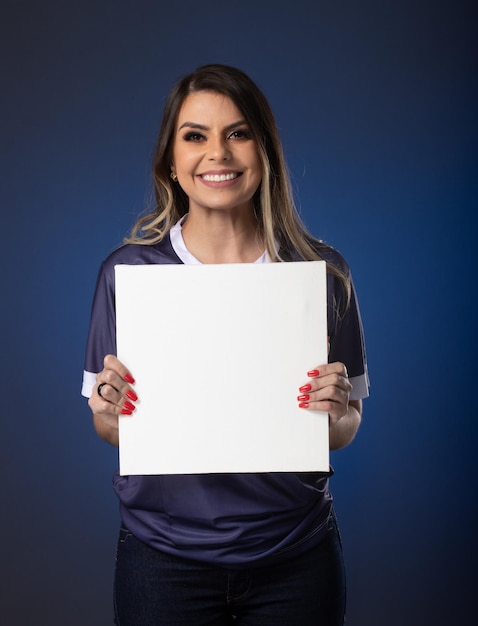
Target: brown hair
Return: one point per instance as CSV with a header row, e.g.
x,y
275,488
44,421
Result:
x,y
278,220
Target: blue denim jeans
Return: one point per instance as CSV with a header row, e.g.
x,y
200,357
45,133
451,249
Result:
x,y
156,589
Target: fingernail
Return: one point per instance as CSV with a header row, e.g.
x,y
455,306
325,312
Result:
x,y
131,395
128,378
127,405
126,412
305,388
303,397
304,405
313,373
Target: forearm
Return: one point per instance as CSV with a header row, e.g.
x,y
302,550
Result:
x,y
342,432
106,432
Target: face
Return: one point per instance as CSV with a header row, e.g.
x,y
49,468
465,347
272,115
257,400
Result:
x,y
214,155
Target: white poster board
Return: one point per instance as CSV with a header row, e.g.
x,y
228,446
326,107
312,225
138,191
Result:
x,y
218,353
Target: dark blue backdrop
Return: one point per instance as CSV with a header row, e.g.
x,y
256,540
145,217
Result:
x,y
376,102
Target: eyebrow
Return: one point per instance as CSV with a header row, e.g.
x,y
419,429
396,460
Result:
x,y
202,127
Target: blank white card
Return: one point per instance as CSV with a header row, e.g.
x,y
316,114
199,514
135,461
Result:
x,y
218,353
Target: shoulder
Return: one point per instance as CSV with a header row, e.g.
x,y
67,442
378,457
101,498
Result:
x,y
324,251
332,257
138,254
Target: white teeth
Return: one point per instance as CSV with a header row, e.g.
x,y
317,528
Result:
x,y
219,178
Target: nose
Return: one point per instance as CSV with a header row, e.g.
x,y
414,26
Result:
x,y
218,149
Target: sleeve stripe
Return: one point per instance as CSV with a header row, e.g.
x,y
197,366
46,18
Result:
x,y
89,381
360,387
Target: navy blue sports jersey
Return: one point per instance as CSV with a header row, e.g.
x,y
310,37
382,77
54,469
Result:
x,y
231,520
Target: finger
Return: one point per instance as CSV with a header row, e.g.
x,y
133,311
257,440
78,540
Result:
x,y
308,386
116,376
109,386
335,410
328,390
111,362
328,368
111,393
103,407
107,411
114,397
326,382
332,393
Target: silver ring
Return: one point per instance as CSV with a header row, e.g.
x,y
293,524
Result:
x,y
99,389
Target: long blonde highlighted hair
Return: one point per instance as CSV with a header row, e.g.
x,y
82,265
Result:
x,y
279,223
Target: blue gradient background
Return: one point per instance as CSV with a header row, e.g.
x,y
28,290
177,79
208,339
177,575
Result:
x,y
377,106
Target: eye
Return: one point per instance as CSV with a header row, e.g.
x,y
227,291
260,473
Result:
x,y
193,136
240,133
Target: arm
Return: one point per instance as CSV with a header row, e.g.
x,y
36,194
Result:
x,y
328,390
107,432
342,432
115,398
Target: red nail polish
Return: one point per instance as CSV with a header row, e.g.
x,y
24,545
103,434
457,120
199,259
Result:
x,y
305,388
131,395
304,405
303,397
313,373
126,412
127,405
128,378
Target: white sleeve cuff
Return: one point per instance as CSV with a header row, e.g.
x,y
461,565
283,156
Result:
x,y
360,386
89,381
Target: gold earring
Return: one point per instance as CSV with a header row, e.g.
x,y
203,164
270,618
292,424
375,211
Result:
x,y
174,176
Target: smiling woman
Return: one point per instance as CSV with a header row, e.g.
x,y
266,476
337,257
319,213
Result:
x,y
227,548
216,163
276,220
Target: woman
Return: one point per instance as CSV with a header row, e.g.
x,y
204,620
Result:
x,y
258,549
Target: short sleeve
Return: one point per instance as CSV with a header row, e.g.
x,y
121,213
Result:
x,y
347,343
102,332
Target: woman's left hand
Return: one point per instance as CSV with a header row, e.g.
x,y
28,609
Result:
x,y
328,389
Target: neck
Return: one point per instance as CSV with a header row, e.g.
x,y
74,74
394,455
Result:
x,y
222,237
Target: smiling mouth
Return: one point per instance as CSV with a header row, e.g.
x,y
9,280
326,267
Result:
x,y
219,178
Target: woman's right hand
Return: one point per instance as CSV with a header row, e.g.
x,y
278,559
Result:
x,y
112,394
